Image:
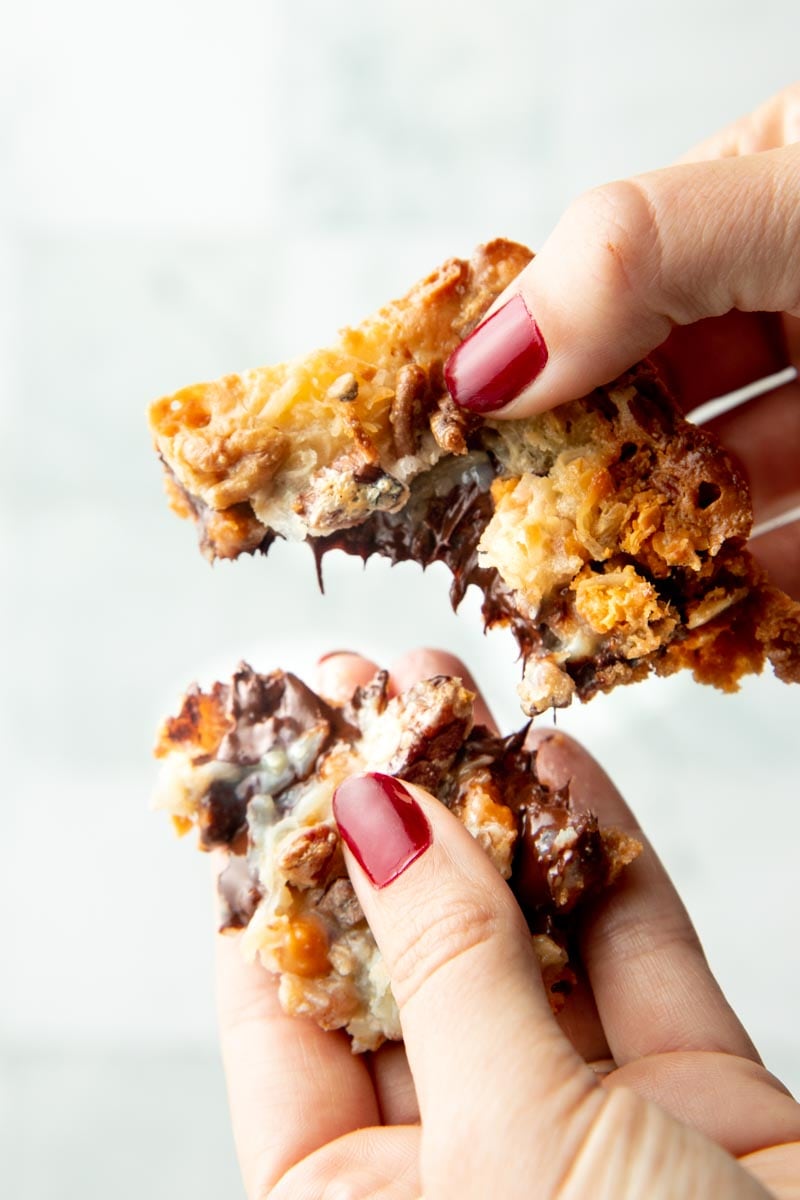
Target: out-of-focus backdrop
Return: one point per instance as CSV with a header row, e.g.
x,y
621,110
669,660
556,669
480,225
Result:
x,y
188,189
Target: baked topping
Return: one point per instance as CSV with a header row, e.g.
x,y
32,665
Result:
x,y
253,765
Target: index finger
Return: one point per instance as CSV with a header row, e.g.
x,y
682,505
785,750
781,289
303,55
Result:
x,y
774,123
653,987
473,1008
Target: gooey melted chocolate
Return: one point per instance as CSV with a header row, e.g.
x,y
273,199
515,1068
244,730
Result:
x,y
550,876
441,524
559,856
269,715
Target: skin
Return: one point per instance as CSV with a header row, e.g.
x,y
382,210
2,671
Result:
x,y
628,261
648,1084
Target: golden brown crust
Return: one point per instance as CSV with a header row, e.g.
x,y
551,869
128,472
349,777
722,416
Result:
x,y
228,442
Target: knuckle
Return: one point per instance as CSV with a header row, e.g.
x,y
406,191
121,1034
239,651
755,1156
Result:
x,y
620,233
325,1175
437,936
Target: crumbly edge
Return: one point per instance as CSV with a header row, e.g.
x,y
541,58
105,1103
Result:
x,y
286,887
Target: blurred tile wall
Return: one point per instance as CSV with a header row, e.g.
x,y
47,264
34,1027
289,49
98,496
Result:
x,y
188,189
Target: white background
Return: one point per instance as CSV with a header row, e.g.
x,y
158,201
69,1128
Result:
x,y
188,189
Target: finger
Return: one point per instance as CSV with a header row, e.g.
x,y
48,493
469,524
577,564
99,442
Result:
x,y
472,1006
424,663
370,1163
774,123
689,1085
292,1087
626,263
339,673
778,1169
779,553
394,1085
765,435
580,1022
578,1019
337,676
719,355
791,328
653,988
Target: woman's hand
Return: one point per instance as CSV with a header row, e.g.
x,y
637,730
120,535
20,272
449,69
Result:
x,y
507,1100
632,260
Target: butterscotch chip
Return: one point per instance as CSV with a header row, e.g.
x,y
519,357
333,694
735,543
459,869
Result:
x,y
609,533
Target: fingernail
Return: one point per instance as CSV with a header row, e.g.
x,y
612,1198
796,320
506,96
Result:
x,y
381,824
498,360
335,654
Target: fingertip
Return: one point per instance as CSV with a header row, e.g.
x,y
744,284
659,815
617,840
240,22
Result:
x,y
340,672
425,662
336,654
561,762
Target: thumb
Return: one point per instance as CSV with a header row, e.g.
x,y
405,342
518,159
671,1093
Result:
x,y
626,262
506,1103
481,1040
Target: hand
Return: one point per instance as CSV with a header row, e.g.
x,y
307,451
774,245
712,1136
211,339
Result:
x,y
508,1104
630,261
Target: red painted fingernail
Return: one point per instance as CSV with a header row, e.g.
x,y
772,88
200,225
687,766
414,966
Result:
x,y
498,360
382,825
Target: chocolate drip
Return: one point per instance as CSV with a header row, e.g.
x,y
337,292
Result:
x,y
443,524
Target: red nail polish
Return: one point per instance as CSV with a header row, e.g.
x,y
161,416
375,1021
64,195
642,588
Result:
x,y
382,825
497,360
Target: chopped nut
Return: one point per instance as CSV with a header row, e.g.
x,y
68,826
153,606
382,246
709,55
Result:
x,y
557,976
305,856
449,425
344,389
285,884
437,716
407,410
341,903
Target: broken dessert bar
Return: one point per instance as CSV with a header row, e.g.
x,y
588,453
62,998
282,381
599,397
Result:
x,y
253,764
609,533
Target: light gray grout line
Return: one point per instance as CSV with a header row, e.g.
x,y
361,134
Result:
x,y
787,518
722,404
